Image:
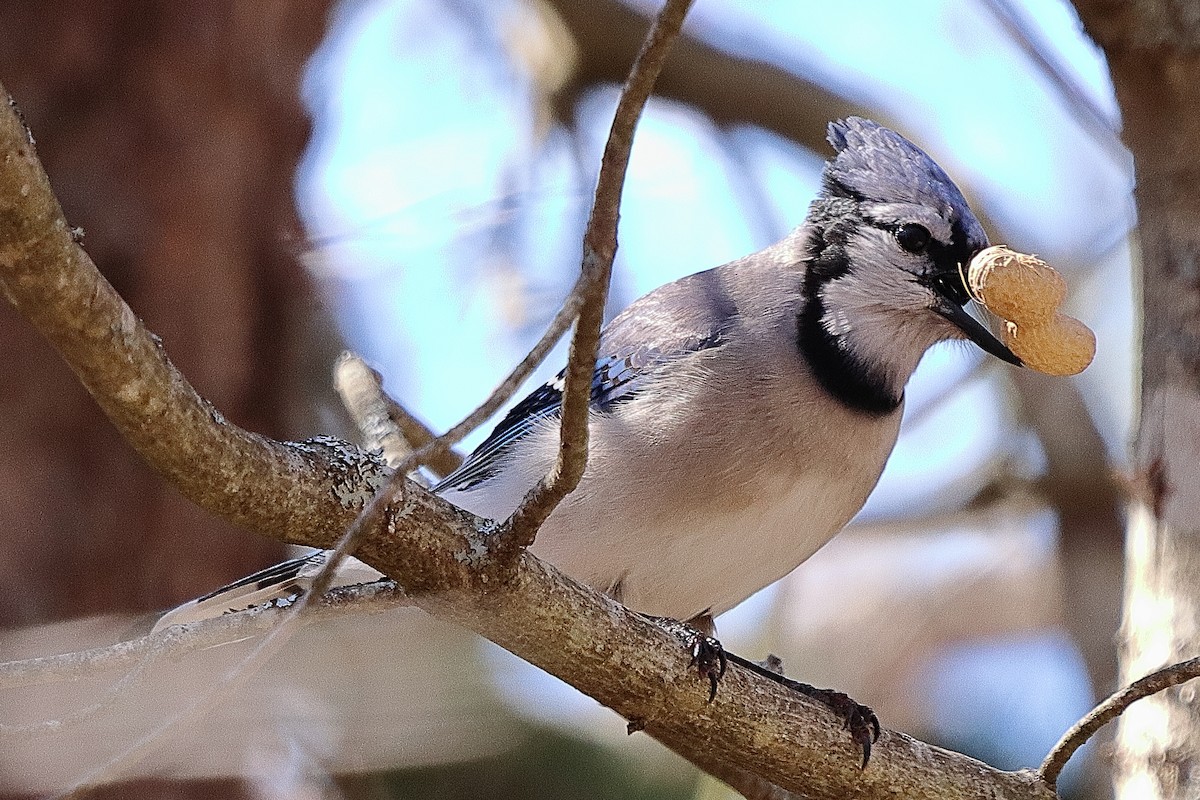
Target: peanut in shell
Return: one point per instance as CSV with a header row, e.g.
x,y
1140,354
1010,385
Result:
x,y
1062,346
1016,286
1027,292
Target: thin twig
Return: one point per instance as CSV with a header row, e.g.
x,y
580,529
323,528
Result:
x,y
434,449
599,250
504,392
1109,710
179,640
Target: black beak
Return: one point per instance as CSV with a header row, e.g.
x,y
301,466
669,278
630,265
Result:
x,y
973,328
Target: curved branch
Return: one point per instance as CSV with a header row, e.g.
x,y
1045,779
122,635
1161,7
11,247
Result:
x,y
728,88
1109,710
599,250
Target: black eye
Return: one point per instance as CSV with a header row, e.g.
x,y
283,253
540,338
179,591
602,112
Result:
x,y
912,237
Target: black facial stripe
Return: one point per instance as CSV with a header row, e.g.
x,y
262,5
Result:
x,y
846,377
949,260
948,257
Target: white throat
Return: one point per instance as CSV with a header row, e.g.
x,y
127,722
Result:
x,y
885,324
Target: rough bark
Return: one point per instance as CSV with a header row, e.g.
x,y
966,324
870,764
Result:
x,y
1153,50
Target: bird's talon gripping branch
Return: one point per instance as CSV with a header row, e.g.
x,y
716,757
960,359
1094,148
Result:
x,y
708,655
860,720
710,661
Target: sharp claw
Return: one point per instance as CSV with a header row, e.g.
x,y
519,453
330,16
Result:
x,y
708,657
862,724
859,720
866,748
710,660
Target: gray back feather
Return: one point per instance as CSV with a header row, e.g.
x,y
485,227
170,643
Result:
x,y
683,317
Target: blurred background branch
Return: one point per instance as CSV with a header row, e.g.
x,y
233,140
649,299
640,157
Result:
x,y
726,88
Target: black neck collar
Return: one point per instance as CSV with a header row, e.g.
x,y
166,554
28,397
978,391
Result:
x,y
844,375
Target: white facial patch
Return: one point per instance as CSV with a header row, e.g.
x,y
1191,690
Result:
x,y
893,215
879,312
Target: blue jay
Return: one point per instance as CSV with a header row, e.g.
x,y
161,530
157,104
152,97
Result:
x,y
740,416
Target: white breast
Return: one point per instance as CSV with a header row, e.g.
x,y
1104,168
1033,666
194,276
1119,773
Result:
x,y
706,558
688,507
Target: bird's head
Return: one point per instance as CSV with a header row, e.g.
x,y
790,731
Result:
x,y
889,239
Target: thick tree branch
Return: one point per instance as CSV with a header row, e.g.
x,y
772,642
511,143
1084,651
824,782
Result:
x,y
309,493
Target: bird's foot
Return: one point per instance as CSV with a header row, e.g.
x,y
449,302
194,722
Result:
x,y
708,656
710,661
860,720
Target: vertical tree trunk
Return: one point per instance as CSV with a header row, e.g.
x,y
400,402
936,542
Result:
x,y
171,132
1153,49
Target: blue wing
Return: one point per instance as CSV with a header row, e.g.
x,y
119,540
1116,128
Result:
x,y
677,319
